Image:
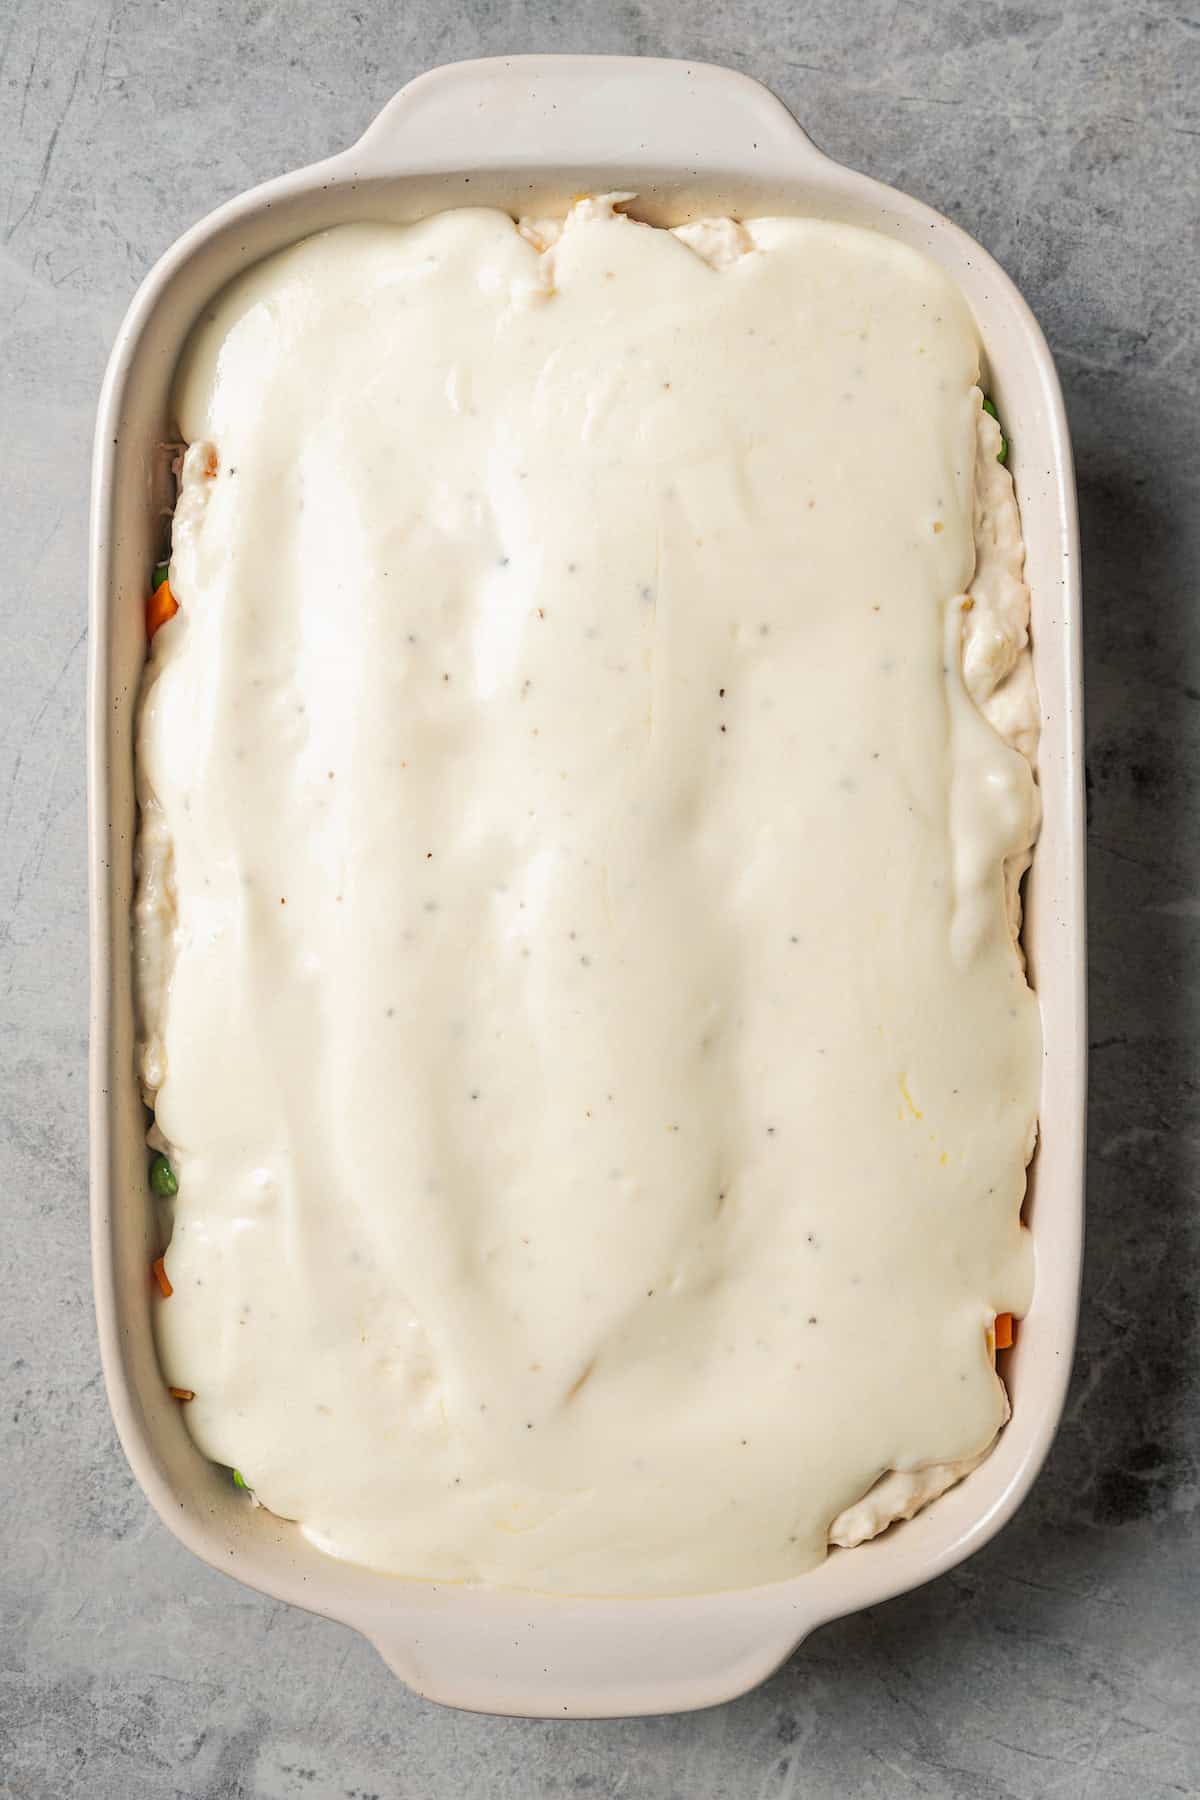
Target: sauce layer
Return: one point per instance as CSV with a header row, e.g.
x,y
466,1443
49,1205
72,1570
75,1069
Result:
x,y
580,994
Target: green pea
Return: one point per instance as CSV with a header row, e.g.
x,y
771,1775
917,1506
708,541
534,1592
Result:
x,y
163,1180
160,574
1002,452
239,1480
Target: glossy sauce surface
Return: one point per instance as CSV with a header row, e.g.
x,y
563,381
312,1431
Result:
x,y
578,989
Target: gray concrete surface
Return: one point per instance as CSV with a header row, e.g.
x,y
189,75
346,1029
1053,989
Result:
x,y
1065,1660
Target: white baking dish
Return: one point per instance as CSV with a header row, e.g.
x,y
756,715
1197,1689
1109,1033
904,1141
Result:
x,y
525,134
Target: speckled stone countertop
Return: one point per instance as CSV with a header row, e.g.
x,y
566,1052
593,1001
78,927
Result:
x,y
1064,1660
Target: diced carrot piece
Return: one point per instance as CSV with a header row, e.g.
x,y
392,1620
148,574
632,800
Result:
x,y
158,1269
1004,1331
161,606
182,1393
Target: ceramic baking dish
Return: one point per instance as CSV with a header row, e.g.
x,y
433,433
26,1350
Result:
x,y
525,134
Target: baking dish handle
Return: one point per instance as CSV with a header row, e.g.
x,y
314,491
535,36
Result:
x,y
612,111
539,1656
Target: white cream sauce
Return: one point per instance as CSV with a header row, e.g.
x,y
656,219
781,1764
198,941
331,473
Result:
x,y
578,989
